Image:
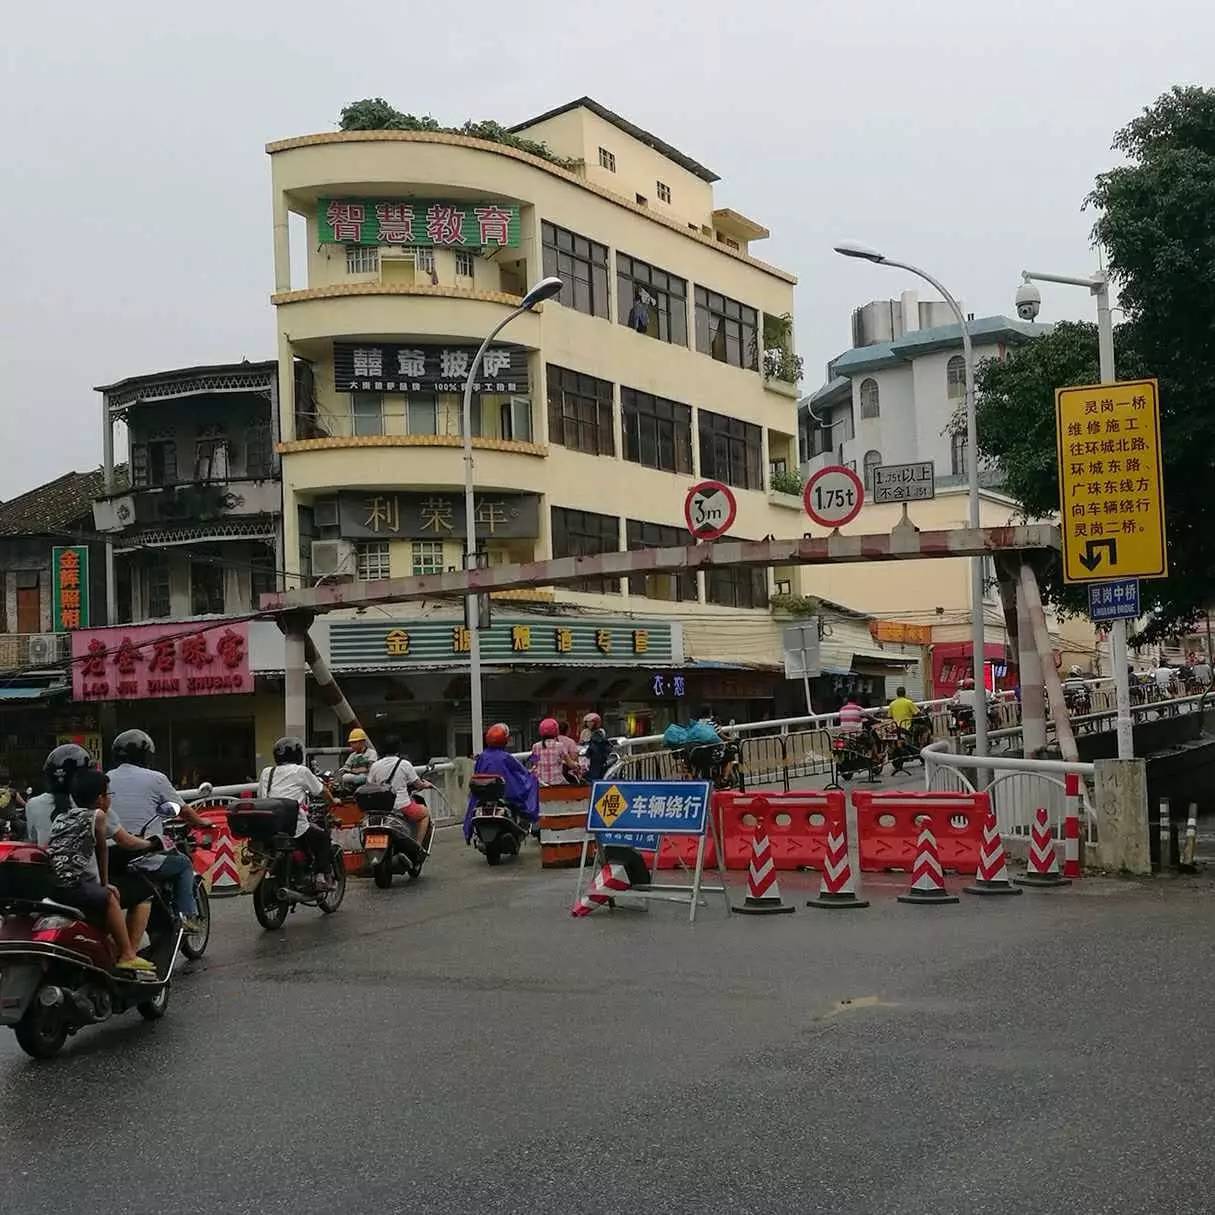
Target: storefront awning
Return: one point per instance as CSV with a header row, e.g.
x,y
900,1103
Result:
x,y
30,693
880,661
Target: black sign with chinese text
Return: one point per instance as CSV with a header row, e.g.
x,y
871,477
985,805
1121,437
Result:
x,y
389,367
436,516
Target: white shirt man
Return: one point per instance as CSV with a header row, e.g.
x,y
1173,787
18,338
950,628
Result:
x,y
398,774
294,781
1164,678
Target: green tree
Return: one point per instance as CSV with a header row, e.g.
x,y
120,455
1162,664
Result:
x,y
1154,221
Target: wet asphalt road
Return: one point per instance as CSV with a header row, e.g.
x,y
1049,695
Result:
x,y
464,1045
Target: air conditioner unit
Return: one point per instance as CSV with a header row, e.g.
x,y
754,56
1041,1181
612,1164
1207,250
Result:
x,y
43,649
325,513
332,557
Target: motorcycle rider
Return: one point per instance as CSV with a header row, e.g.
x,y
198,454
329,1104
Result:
x,y
555,759
598,747
395,771
290,778
71,821
902,709
522,788
362,753
140,797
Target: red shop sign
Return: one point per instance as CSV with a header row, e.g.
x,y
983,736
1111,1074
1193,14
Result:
x,y
147,661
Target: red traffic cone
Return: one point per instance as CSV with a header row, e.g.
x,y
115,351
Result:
x,y
1043,860
763,894
835,888
992,877
927,877
612,879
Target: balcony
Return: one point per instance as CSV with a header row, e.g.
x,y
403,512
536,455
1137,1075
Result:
x,y
21,650
191,502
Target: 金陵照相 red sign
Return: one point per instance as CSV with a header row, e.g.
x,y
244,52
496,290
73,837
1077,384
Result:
x,y
148,661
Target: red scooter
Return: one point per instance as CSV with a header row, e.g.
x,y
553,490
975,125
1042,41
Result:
x,y
56,967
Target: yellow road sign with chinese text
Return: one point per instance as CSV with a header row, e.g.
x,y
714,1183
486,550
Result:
x,y
1111,481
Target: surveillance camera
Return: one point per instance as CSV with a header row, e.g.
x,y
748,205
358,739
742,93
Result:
x,y
1029,302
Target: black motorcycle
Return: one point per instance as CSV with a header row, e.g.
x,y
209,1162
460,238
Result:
x,y
389,843
909,741
286,875
718,763
499,829
856,751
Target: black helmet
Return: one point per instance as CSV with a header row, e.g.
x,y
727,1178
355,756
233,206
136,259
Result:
x,y
289,750
133,747
62,764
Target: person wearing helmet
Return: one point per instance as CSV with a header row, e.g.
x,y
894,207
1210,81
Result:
x,y
522,788
141,798
555,759
289,777
395,771
362,753
598,747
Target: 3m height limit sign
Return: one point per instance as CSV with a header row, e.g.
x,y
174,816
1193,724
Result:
x,y
1111,481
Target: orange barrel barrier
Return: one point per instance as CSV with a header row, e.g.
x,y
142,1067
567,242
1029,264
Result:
x,y
888,826
797,823
348,834
562,825
218,855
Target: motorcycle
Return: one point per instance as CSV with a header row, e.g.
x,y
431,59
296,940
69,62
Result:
x,y
285,874
909,741
389,843
860,750
708,761
56,967
498,829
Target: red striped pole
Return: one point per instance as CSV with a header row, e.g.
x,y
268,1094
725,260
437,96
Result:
x,y
1071,825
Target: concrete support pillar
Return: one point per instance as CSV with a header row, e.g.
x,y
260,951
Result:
x,y
295,684
327,686
1121,803
286,389
1029,663
107,465
282,243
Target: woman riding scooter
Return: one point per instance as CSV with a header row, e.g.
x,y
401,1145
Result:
x,y
522,790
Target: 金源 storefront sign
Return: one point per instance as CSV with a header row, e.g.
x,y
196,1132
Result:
x,y
69,588
149,661
606,643
390,367
437,516
416,221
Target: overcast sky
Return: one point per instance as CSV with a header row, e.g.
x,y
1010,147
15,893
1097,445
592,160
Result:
x,y
135,217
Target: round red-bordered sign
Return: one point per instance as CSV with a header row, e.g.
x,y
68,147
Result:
x,y
833,496
709,510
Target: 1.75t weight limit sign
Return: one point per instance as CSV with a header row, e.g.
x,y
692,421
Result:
x,y
1111,481
709,510
833,496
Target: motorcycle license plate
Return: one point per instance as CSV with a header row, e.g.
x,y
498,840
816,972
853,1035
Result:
x,y
375,841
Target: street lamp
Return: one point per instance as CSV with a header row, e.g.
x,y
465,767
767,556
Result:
x,y
1098,285
868,254
545,289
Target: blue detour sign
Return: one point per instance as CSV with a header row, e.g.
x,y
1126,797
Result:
x,y
647,808
1114,600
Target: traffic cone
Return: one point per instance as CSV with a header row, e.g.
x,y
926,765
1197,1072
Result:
x,y
611,880
992,877
835,887
763,894
927,877
1043,861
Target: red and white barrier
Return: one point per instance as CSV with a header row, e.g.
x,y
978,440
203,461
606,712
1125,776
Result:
x,y
1071,825
992,877
927,877
836,886
763,893
1043,860
611,880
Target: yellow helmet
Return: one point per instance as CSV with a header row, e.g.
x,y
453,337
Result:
x,y
358,734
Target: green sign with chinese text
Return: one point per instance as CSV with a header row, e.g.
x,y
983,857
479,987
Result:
x,y
394,221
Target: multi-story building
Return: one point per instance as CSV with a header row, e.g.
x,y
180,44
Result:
x,y
592,416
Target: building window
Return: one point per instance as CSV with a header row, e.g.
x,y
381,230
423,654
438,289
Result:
x,y
581,533
582,266
784,586
672,587
427,557
871,461
728,241
424,259
206,589
580,412
211,456
607,160
664,192
651,301
737,586
842,424
154,463
158,585
870,405
366,413
263,577
421,410
726,329
372,560
957,453
955,378
657,432
464,264
259,451
362,259
731,450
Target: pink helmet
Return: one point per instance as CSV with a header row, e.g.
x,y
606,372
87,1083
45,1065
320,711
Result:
x,y
549,728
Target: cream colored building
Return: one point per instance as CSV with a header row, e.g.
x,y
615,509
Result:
x,y
594,416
